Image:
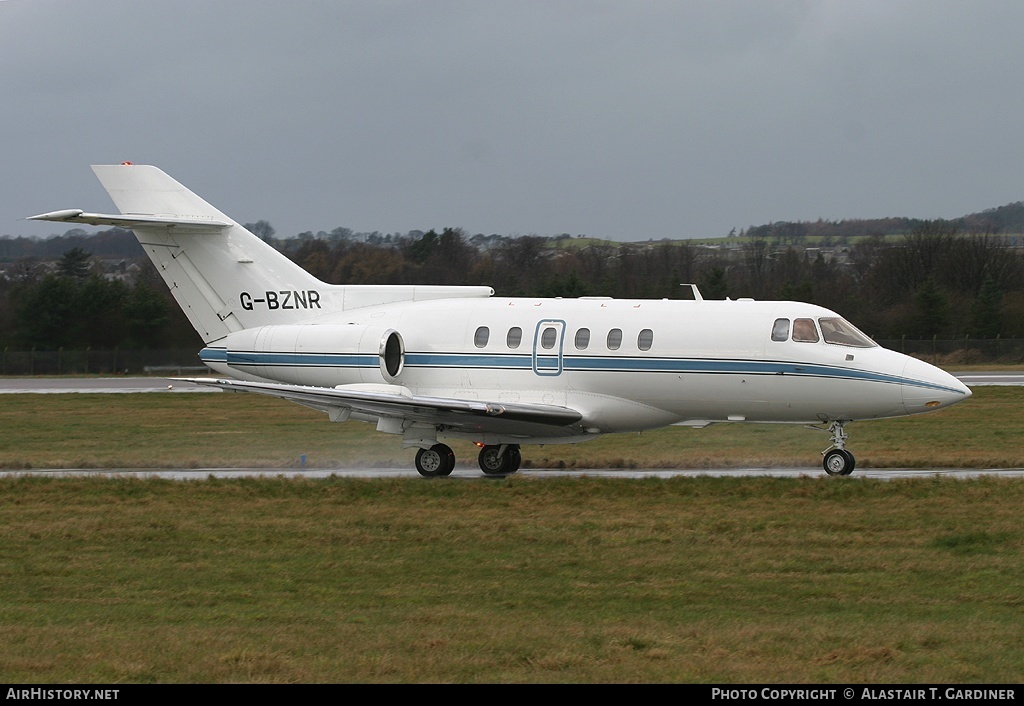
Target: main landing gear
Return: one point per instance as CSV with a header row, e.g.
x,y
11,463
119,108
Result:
x,y
495,460
435,462
837,460
500,460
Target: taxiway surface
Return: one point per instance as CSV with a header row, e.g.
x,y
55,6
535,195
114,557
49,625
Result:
x,y
470,473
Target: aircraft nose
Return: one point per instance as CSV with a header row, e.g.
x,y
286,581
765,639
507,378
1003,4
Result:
x,y
926,387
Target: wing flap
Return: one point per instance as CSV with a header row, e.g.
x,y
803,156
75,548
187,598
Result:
x,y
466,415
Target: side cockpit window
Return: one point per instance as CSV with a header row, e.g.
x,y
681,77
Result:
x,y
843,333
780,330
805,331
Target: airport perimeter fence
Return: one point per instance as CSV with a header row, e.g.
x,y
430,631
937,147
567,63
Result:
x,y
181,361
157,362
960,351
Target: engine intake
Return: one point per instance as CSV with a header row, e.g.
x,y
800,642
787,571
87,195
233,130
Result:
x,y
329,354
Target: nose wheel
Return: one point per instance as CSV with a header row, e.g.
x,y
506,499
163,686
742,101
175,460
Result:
x,y
837,460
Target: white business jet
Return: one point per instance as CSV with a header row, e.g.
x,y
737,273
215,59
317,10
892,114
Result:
x,y
432,363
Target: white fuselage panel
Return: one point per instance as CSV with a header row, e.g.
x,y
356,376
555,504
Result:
x,y
626,365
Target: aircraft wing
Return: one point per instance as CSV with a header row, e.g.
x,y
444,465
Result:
x,y
398,402
74,215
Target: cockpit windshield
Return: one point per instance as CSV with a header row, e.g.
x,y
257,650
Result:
x,y
843,333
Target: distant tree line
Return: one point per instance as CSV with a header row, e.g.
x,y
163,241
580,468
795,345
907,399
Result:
x,y
937,280
75,306
110,243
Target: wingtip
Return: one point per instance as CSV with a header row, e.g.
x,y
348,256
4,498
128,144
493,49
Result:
x,y
67,214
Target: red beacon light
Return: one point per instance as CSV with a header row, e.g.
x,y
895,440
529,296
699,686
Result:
x,y
126,164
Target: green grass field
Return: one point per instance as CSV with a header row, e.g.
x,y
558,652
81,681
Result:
x,y
725,580
514,580
236,430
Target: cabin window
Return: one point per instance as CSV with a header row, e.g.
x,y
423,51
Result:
x,y
614,339
645,339
515,337
780,331
804,331
482,334
843,333
548,337
582,338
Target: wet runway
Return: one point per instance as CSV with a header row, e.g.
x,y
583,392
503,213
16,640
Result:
x,y
114,385
988,379
472,473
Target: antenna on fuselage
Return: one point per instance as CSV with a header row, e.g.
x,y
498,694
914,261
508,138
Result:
x,y
696,292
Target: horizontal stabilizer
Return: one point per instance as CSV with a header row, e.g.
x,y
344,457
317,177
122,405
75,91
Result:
x,y
74,215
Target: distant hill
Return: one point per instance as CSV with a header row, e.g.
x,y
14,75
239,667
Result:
x,y
1004,219
1008,219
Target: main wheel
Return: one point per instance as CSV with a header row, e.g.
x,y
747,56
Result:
x,y
494,463
839,462
515,458
435,462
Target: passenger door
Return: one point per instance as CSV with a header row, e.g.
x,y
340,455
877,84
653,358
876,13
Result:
x,y
547,347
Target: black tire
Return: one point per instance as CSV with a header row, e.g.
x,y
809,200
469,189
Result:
x,y
435,462
493,462
852,463
515,458
838,462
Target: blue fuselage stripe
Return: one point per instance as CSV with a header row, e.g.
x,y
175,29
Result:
x,y
524,362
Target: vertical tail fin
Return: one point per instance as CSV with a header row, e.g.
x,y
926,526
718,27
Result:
x,y
223,277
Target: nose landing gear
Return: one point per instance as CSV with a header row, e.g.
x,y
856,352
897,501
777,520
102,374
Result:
x,y
837,460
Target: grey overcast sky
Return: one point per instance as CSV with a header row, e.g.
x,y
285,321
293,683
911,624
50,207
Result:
x,y
628,120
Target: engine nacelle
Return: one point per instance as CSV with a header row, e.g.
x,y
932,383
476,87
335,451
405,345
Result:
x,y
310,354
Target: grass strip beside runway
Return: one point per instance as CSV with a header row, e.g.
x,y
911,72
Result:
x,y
224,430
515,580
